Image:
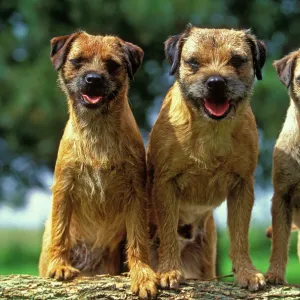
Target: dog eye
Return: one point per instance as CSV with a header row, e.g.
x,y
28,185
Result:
x,y
298,79
237,61
193,63
112,66
77,62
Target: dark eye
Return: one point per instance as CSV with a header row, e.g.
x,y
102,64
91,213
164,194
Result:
x,y
237,61
112,66
298,79
193,64
77,62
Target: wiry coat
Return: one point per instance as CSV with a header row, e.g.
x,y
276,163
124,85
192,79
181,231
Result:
x,y
286,172
99,198
194,163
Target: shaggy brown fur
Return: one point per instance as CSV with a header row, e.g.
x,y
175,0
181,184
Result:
x,y
196,157
269,233
269,230
286,171
99,193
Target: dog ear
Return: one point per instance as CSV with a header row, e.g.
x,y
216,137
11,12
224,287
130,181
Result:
x,y
60,47
284,68
259,52
173,48
133,57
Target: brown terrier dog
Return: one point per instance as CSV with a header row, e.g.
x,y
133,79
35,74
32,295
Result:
x,y
99,193
203,149
286,171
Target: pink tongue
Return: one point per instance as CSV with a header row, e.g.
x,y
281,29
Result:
x,y
92,99
216,109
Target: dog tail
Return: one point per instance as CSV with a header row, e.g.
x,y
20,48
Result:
x,y
269,232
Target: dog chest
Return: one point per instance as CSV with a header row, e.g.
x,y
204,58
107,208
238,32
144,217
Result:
x,y
101,187
204,186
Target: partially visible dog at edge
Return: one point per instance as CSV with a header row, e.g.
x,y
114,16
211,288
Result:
x,y
286,172
203,149
99,194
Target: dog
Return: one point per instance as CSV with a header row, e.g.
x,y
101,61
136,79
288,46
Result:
x,y
203,149
285,172
99,192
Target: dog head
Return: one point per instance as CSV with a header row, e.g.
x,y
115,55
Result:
x,y
215,68
288,71
94,70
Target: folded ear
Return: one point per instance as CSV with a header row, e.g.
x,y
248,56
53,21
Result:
x,y
259,52
173,48
285,68
133,58
60,47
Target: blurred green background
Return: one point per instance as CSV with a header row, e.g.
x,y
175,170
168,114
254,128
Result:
x,y
33,110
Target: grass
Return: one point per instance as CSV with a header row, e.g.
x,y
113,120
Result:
x,y
260,249
19,252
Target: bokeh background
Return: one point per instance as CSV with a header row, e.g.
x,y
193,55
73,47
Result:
x,y
33,111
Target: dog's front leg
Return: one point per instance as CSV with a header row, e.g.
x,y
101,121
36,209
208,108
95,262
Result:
x,y
166,204
240,202
59,252
281,227
143,278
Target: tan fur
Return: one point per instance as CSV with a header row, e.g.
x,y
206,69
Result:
x,y
195,163
296,219
286,170
99,187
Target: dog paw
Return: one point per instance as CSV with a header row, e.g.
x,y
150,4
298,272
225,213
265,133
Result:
x,y
170,279
144,283
251,279
275,278
62,272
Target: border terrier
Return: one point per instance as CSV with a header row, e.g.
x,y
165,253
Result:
x,y
286,171
99,192
203,149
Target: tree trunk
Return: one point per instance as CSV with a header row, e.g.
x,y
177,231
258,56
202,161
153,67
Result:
x,y
117,287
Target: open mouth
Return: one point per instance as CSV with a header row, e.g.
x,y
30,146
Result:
x,y
91,99
217,109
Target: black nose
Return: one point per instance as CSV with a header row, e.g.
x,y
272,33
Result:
x,y
215,82
93,78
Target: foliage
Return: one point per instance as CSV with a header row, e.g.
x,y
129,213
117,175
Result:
x,y
33,111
